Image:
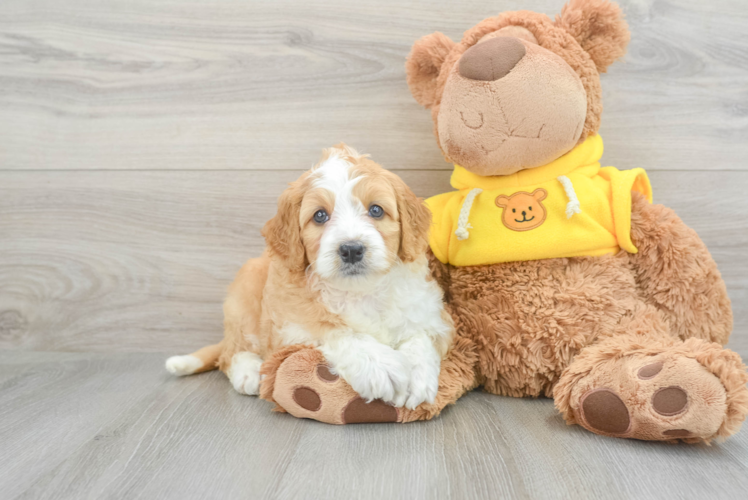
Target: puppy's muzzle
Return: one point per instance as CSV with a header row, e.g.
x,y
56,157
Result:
x,y
351,252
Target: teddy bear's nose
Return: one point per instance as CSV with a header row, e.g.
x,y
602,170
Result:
x,y
492,59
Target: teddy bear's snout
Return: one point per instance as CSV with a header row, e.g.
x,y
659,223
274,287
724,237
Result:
x,y
493,59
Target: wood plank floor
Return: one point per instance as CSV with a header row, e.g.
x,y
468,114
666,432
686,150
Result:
x,y
142,146
117,426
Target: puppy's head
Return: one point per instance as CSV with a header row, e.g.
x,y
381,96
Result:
x,y
348,219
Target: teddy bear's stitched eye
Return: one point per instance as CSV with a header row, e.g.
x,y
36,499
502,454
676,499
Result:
x,y
514,210
320,216
376,211
529,208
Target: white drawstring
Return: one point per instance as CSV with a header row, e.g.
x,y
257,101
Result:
x,y
573,206
462,221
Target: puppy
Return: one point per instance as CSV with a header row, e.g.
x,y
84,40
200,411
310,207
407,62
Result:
x,y
345,270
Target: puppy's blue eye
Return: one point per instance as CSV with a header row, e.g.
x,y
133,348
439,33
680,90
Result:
x,y
320,216
376,211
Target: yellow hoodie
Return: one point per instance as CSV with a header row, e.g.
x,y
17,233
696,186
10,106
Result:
x,y
568,208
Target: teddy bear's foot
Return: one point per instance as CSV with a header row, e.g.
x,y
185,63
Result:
x,y
662,390
298,379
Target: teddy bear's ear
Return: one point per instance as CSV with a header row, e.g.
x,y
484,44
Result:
x,y
599,27
423,66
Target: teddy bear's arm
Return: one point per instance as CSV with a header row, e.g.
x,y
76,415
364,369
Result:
x,y
676,273
440,272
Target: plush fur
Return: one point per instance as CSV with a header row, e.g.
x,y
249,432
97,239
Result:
x,y
595,24
379,319
628,345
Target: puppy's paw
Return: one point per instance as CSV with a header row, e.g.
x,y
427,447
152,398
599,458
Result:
x,y
424,384
424,378
377,372
183,365
244,373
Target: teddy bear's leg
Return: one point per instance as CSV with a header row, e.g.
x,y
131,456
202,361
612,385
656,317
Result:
x,y
655,388
297,379
676,274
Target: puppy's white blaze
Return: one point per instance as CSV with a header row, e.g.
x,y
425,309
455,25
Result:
x,y
348,222
332,174
244,373
183,365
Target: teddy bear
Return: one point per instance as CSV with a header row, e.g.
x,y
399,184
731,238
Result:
x,y
563,279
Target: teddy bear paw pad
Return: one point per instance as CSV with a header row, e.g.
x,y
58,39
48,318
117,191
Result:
x,y
306,387
604,411
670,397
358,411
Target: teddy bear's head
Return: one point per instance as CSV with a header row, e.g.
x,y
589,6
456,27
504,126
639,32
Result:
x,y
519,90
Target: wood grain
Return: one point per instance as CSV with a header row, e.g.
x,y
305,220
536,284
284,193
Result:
x,y
142,147
82,425
139,261
189,84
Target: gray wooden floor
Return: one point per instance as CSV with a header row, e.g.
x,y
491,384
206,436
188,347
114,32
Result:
x,y
142,146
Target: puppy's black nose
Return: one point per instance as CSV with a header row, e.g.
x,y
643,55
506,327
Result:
x,y
351,252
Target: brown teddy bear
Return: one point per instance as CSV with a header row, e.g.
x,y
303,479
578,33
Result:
x,y
562,277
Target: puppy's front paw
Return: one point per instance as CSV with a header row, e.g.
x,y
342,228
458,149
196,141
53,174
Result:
x,y
424,384
424,378
379,372
244,373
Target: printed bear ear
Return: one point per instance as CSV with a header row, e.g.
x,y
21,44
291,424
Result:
x,y
502,201
423,65
598,26
540,194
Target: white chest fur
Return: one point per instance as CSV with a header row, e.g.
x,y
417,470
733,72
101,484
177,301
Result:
x,y
392,307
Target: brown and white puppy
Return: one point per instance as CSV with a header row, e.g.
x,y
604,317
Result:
x,y
345,270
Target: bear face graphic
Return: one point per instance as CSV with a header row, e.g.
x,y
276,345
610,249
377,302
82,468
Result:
x,y
523,211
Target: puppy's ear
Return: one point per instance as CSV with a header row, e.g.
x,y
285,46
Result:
x,y
283,233
415,221
599,27
423,65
